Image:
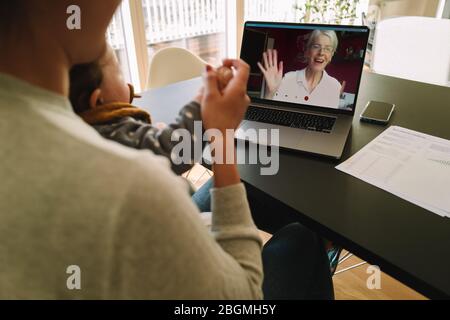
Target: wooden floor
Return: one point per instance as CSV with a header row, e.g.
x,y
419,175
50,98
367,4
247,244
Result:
x,y
352,284
349,285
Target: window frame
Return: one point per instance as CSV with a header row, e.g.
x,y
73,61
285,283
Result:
x,y
136,42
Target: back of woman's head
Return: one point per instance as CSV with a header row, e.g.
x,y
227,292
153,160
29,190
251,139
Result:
x,y
11,13
46,20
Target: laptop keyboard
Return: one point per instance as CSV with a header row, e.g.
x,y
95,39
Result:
x,y
291,119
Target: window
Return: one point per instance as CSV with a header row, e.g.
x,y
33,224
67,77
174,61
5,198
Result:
x,y
312,11
210,28
268,10
197,25
140,27
309,11
115,36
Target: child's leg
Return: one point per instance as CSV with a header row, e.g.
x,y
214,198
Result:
x,y
202,197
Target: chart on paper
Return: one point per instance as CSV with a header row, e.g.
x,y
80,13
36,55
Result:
x,y
412,165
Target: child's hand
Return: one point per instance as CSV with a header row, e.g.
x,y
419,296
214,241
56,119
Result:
x,y
225,110
161,125
224,76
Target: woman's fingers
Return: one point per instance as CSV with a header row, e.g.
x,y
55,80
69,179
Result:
x,y
236,63
275,58
280,68
270,59
266,61
240,79
262,68
211,84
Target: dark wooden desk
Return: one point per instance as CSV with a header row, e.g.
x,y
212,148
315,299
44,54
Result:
x,y
406,241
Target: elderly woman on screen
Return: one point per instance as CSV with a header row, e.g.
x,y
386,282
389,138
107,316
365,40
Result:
x,y
312,85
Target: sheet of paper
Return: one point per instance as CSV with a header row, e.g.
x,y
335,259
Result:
x,y
412,165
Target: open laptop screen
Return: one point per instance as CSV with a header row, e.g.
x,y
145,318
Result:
x,y
304,64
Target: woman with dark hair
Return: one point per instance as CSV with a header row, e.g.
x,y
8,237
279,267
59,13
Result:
x,y
69,197
85,218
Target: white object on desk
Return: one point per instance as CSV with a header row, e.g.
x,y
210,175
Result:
x,y
409,164
415,48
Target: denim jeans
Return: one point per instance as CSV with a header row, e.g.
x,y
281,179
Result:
x,y
202,197
294,260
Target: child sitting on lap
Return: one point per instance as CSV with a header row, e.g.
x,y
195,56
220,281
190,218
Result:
x,y
102,98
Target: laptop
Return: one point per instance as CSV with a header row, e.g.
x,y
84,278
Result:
x,y
304,81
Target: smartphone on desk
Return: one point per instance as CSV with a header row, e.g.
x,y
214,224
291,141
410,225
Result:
x,y
377,112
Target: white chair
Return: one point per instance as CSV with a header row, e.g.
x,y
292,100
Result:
x,y
345,257
170,65
415,48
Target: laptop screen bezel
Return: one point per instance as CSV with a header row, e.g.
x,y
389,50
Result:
x,y
269,24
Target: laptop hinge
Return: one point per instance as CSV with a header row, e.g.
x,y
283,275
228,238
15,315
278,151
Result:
x,y
292,109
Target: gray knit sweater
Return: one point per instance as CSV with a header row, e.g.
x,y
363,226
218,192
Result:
x,y
68,197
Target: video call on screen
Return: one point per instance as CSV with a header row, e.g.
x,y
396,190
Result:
x,y
342,67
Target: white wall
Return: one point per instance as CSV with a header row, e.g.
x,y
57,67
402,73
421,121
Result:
x,y
392,8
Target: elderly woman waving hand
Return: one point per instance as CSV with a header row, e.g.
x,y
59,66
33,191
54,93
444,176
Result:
x,y
311,85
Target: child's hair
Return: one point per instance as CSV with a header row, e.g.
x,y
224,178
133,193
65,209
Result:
x,y
84,79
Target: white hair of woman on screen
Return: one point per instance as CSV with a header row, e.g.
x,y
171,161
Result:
x,y
311,85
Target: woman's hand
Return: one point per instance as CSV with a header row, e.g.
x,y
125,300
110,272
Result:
x,y
224,76
225,110
272,71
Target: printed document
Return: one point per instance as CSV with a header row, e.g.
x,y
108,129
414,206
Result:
x,y
409,164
